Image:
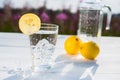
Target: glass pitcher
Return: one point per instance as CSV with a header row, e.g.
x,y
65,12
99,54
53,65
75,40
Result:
x,y
91,18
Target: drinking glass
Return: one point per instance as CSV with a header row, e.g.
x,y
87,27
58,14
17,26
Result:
x,y
42,44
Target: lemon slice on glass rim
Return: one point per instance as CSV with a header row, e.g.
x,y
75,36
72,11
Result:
x,y
29,23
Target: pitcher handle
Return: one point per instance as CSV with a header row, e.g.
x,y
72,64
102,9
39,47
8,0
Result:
x,y
109,15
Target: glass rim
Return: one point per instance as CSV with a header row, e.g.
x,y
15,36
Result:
x,y
49,24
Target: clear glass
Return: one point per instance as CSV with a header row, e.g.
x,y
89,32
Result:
x,y
89,25
90,20
42,44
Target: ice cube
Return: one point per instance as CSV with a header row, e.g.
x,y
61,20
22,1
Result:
x,y
42,42
50,48
39,46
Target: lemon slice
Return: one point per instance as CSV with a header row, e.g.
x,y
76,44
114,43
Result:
x,y
29,23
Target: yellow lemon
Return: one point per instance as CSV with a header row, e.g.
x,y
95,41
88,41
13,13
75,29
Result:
x,y
71,45
89,50
29,23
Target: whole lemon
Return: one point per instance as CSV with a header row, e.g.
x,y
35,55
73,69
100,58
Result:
x,y
71,45
89,50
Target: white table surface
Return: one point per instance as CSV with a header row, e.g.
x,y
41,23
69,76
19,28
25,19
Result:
x,y
15,57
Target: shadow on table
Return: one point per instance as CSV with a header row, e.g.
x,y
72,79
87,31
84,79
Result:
x,y
69,68
15,77
13,74
65,68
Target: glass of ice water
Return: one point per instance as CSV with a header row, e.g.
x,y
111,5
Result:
x,y
42,44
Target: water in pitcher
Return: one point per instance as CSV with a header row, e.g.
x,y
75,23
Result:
x,y
89,24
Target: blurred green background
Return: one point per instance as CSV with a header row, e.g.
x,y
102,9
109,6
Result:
x,y
64,17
